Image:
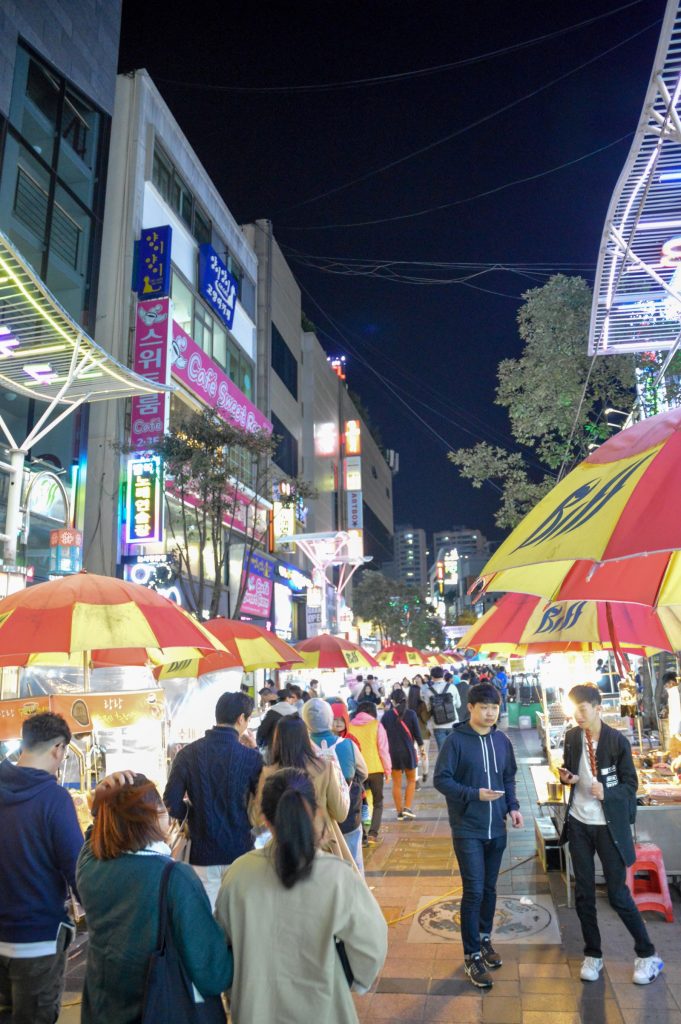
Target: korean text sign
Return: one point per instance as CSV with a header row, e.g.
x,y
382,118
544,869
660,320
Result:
x,y
217,286
153,262
259,587
150,359
143,501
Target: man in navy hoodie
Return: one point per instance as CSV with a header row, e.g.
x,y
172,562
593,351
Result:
x,y
40,840
476,773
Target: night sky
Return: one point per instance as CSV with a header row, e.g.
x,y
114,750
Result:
x,y
416,352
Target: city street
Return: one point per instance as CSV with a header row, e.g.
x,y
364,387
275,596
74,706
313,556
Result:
x,y
423,978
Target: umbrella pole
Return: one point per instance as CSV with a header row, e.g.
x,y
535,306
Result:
x,y
86,671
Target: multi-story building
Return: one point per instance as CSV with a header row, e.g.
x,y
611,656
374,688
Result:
x,y
57,86
177,299
466,541
411,564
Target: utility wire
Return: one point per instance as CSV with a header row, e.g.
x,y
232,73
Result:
x,y
401,76
460,202
474,124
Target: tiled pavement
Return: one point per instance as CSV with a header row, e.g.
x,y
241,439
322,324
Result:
x,y
538,984
424,981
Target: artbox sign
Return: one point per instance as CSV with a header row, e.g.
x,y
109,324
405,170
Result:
x,y
150,359
355,519
207,381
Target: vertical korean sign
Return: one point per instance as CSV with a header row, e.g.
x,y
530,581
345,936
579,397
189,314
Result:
x,y
143,500
352,482
153,262
150,359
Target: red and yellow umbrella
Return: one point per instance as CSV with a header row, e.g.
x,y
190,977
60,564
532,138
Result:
x,y
83,613
610,531
247,646
433,658
521,624
396,654
326,651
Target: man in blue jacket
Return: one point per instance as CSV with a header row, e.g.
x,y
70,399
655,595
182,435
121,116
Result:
x,y
40,840
476,773
210,782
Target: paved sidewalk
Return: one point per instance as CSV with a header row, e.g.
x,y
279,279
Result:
x,y
423,978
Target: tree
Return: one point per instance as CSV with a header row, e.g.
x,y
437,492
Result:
x,y
216,475
398,611
425,629
542,391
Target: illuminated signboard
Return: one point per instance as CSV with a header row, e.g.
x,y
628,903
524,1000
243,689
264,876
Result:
x,y
144,515
353,437
218,287
637,291
151,359
355,515
451,564
153,262
353,473
325,438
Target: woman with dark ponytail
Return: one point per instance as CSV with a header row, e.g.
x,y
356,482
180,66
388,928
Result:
x,y
402,728
288,905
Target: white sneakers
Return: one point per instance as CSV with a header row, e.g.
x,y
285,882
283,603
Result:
x,y
591,968
646,969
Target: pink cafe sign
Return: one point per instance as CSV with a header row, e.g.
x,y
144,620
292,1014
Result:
x,y
207,381
149,413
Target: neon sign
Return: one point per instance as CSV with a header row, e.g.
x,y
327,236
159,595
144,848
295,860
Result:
x,y
143,500
353,437
7,341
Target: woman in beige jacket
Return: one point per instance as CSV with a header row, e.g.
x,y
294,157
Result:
x,y
292,749
284,909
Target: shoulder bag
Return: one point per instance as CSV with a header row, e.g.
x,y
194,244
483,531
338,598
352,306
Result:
x,y
169,996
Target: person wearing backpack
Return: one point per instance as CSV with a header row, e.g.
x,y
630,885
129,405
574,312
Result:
x,y
402,728
443,700
318,716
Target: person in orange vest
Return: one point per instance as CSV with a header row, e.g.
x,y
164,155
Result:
x,y
373,742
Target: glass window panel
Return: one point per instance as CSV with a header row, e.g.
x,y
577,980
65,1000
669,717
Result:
x,y
35,100
161,175
203,329
247,296
183,303
219,345
24,194
68,254
245,375
78,148
202,231
233,368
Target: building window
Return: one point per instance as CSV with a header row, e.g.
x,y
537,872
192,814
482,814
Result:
x,y
284,362
51,189
286,455
183,302
179,196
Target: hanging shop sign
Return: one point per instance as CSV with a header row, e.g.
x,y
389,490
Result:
x,y
353,437
296,580
259,587
217,286
144,512
113,710
204,378
150,359
353,473
13,714
355,516
153,262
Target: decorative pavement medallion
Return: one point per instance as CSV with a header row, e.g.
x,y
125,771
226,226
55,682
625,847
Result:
x,y
514,921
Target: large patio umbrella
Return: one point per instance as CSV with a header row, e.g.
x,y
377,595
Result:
x,y
392,655
326,651
610,531
250,647
433,658
521,624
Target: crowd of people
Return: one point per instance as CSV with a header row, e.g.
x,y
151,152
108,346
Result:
x,y
253,855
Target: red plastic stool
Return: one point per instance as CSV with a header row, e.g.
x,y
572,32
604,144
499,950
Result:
x,y
650,892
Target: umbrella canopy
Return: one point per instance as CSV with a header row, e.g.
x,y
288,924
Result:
x,y
399,654
433,658
326,651
248,647
523,624
85,612
609,530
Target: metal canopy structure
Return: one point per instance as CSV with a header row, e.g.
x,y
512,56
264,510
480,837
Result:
x,y
637,293
325,550
46,355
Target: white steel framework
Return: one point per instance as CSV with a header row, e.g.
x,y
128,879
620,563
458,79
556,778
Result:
x,y
325,550
637,293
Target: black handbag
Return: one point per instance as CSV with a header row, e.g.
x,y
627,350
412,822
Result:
x,y
168,992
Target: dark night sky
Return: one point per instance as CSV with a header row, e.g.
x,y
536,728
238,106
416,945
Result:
x,y
437,346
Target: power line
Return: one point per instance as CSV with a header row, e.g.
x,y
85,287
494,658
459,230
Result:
x,y
474,124
401,76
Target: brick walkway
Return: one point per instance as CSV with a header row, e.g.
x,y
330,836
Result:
x,y
538,984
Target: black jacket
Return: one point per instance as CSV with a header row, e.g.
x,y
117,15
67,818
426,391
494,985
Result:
x,y
399,731
617,773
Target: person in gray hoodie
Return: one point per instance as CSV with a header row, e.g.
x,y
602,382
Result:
x,y
476,772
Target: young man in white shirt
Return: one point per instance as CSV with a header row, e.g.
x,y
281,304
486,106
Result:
x,y
599,768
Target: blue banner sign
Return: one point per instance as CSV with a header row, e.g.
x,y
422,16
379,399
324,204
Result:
x,y
217,286
153,262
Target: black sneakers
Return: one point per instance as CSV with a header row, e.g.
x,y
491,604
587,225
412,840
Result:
x,y
476,971
490,957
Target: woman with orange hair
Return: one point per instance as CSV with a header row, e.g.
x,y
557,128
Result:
x,y
119,880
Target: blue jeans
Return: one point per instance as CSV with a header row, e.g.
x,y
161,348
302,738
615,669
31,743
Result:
x,y
354,841
441,735
479,863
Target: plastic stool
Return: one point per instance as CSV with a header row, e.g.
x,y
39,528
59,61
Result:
x,y
650,892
